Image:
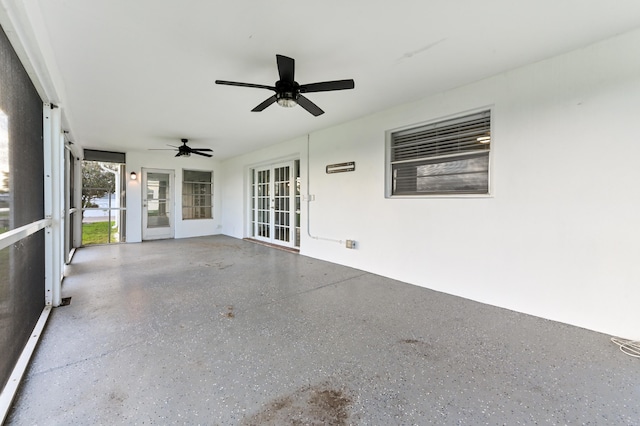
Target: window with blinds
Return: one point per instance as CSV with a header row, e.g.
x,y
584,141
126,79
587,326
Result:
x,y
196,194
446,157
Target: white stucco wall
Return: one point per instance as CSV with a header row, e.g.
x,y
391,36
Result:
x,y
559,236
166,160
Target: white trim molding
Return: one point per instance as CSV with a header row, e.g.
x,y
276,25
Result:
x,y
11,388
11,237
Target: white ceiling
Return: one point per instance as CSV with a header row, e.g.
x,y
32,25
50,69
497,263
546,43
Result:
x,y
138,74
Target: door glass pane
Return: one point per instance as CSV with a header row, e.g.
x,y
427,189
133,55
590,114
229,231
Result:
x,y
158,200
281,203
264,204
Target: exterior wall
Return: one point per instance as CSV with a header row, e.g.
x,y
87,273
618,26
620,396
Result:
x,y
558,238
166,160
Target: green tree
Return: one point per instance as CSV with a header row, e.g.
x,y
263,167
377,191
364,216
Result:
x,y
4,182
96,182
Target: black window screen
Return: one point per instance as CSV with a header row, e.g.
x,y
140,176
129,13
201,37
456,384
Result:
x,y
21,203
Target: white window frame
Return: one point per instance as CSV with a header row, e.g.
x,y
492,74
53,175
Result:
x,y
449,194
182,204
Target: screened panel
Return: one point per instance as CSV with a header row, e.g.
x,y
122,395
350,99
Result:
x,y
21,203
5,193
21,297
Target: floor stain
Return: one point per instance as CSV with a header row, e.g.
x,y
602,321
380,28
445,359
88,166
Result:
x,y
316,405
117,397
423,349
229,313
221,266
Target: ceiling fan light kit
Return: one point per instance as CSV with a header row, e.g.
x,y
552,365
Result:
x,y
286,100
289,92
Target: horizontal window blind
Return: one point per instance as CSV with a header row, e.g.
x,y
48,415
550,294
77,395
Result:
x,y
447,157
448,137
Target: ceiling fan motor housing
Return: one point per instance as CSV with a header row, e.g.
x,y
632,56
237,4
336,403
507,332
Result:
x,y
184,150
287,93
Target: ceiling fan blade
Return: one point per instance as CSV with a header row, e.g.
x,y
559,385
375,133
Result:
x,y
265,104
327,86
201,153
235,83
161,149
201,149
309,106
179,154
286,68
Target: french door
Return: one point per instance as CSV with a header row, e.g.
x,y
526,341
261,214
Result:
x,y
275,198
157,204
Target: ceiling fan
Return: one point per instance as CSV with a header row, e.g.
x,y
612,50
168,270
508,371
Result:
x,y
289,92
185,150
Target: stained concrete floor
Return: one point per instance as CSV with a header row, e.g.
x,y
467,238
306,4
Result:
x,y
219,331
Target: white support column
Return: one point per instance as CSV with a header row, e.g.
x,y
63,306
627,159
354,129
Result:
x,y
48,205
53,196
62,196
77,221
66,203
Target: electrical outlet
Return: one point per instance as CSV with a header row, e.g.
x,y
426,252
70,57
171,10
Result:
x,y
351,244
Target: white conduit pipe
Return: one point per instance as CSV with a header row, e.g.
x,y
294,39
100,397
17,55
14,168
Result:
x,y
333,240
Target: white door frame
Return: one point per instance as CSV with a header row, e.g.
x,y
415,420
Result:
x,y
158,231
277,208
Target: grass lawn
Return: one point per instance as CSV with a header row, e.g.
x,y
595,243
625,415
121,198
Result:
x,y
98,233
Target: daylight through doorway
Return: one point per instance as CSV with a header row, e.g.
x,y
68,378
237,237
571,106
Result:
x,y
103,202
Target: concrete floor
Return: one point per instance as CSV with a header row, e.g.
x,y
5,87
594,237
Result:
x,y
220,331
